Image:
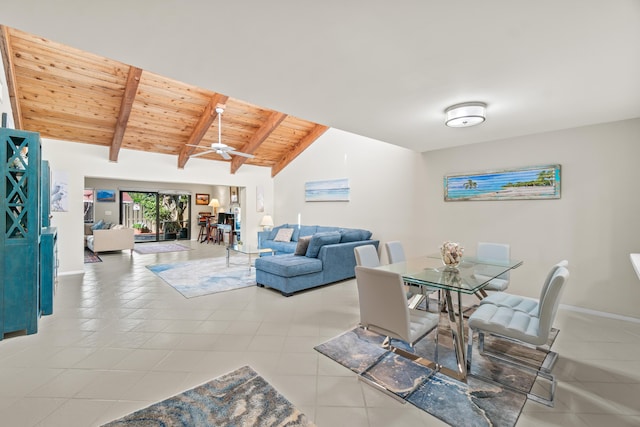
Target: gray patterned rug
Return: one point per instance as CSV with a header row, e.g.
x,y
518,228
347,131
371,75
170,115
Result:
x,y
90,257
239,398
476,403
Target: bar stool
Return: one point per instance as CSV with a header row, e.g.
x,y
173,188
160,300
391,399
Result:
x,y
203,231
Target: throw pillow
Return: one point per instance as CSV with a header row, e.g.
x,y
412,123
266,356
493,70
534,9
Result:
x,y
284,235
98,225
318,240
303,245
274,232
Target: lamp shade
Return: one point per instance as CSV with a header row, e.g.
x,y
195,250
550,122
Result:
x,y
466,114
214,203
267,221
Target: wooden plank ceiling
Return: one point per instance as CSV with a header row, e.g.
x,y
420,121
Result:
x,y
68,94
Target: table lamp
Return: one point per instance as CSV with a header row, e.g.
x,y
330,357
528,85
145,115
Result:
x,y
267,222
215,204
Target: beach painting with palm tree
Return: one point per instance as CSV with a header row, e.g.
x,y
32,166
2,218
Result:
x,y
534,182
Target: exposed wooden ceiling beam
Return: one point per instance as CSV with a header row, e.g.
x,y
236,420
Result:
x,y
130,90
9,71
272,122
305,142
204,123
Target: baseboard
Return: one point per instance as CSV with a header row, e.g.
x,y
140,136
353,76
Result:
x,y
71,273
600,313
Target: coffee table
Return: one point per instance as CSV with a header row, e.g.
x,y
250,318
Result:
x,y
247,250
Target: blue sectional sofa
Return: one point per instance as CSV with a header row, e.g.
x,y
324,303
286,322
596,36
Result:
x,y
328,257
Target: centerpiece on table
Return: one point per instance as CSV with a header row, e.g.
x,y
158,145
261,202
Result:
x,y
451,253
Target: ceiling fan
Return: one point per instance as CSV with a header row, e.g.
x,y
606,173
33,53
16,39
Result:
x,y
218,147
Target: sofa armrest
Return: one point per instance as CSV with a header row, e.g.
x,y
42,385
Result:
x,y
262,236
113,239
339,260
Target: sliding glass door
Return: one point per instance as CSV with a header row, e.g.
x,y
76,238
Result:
x,y
156,216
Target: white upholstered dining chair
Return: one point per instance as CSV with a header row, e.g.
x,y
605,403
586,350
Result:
x,y
366,255
384,310
520,303
395,253
531,330
494,252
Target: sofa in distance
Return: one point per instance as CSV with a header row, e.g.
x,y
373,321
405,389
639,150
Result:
x,y
112,239
315,256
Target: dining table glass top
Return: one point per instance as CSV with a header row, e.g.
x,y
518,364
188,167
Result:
x,y
471,275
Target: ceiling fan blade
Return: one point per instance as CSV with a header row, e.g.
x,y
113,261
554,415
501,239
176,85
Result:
x,y
238,153
224,155
202,153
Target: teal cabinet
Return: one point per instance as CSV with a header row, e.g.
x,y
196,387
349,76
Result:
x,y
20,228
48,268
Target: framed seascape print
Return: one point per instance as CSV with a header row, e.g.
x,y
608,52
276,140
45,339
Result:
x,y
106,195
534,182
202,199
331,190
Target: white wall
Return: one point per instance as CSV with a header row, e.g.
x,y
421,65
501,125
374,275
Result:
x,y
398,194
595,224
383,179
80,160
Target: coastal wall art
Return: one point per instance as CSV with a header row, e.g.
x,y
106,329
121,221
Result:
x,y
533,182
60,191
331,190
106,195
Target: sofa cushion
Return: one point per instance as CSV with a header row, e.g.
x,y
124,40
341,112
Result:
x,y
353,235
303,245
281,247
288,265
304,230
284,235
318,240
324,229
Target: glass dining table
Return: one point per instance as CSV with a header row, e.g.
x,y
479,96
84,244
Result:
x,y
469,277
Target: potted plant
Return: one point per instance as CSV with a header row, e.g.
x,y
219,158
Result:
x,y
171,229
140,227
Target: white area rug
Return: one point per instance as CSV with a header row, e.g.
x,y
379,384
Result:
x,y
207,276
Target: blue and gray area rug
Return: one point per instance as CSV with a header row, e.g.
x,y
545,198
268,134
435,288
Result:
x,y
239,398
476,403
159,247
207,276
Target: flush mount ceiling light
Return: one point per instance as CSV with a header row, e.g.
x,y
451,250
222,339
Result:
x,y
465,114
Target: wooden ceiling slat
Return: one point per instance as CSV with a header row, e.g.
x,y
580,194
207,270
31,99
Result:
x,y
91,106
81,71
31,77
69,117
42,49
130,89
9,71
68,94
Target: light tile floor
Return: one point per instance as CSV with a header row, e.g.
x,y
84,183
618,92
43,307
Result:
x,y
121,339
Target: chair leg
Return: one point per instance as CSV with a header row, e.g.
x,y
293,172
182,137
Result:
x,y
540,372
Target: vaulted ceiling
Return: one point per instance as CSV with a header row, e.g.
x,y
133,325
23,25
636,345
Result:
x,y
68,94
